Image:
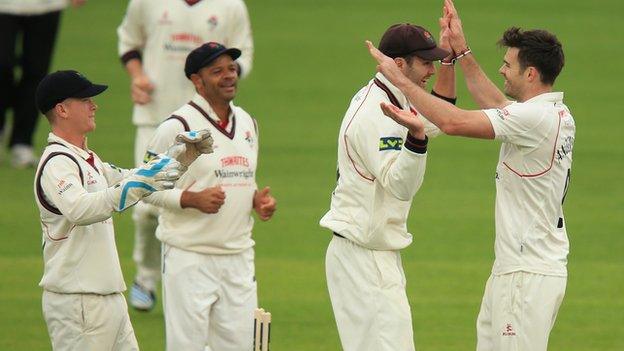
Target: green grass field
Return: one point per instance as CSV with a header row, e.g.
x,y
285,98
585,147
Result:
x,y
310,59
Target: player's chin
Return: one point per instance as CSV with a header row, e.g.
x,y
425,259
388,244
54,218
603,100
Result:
x,y
228,94
91,126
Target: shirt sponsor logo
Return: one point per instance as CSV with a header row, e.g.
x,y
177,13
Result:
x,y
234,161
186,37
565,148
509,331
178,48
64,187
183,42
502,113
390,143
219,173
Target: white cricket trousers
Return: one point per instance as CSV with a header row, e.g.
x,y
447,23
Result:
x,y
518,311
209,300
88,322
367,292
146,252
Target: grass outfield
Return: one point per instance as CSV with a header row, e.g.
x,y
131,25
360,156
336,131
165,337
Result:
x,y
310,59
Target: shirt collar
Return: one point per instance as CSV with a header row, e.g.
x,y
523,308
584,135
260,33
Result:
x,y
554,97
393,89
84,153
201,102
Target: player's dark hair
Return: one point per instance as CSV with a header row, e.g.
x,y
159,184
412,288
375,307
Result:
x,y
537,48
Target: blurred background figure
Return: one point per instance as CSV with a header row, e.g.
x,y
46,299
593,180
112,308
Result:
x,y
27,36
154,39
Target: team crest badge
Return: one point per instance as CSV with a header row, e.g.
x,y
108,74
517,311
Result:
x,y
249,138
213,22
428,37
164,19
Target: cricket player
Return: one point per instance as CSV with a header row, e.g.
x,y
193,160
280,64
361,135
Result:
x,y
528,280
77,194
209,287
154,39
28,31
381,165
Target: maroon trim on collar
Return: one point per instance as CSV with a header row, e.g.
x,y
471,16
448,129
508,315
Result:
x,y
391,96
181,120
191,2
215,124
91,157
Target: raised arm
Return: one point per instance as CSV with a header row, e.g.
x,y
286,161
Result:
x,y
445,82
450,119
481,88
81,207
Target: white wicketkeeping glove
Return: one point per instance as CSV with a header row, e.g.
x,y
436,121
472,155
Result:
x,y
189,146
160,173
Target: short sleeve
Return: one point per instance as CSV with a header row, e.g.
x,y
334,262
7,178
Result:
x,y
517,124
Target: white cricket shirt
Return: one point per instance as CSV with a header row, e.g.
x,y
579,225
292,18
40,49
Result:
x,y
532,177
232,166
79,251
378,172
165,32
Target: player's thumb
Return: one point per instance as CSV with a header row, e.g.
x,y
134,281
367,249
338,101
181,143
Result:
x,y
265,191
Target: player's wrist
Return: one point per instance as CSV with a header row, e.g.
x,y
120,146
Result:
x,y
463,53
449,60
417,133
187,199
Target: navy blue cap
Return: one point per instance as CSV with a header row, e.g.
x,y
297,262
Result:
x,y
61,85
205,54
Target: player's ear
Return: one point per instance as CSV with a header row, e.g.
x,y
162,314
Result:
x,y
196,80
532,74
59,110
400,62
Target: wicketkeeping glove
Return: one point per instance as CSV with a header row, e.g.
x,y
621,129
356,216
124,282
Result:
x,y
189,146
160,173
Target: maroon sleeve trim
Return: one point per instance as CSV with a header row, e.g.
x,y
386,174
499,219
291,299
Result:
x,y
418,146
132,54
447,99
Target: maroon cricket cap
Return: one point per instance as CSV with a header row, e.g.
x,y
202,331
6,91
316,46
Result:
x,y
406,39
